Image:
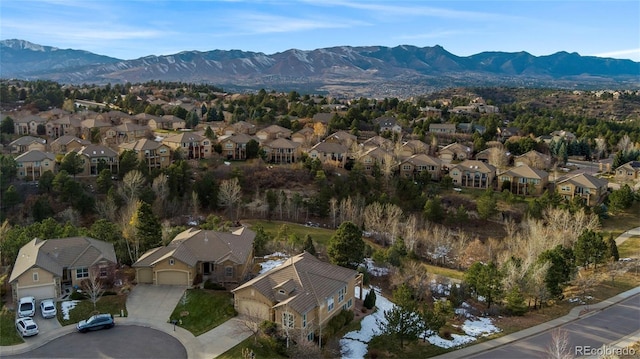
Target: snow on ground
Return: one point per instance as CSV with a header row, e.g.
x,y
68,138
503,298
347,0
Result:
x,y
354,344
66,306
374,270
272,263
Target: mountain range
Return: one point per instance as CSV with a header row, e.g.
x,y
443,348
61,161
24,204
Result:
x,y
365,70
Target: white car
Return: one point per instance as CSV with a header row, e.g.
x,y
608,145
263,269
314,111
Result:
x,y
26,327
48,308
27,307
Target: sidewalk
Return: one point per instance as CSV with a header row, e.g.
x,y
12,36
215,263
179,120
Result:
x,y
573,315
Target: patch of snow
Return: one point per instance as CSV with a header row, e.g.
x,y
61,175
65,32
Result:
x,y
457,340
66,306
479,327
481,299
272,263
354,344
374,270
158,139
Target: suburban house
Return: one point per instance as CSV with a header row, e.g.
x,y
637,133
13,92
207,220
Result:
x,y
27,143
416,164
533,159
305,137
91,125
153,154
523,180
323,117
388,124
342,137
413,147
34,163
272,132
302,294
494,155
195,254
126,132
143,119
378,141
166,122
65,144
473,173
329,153
28,124
281,150
240,127
192,145
98,157
376,155
591,189
505,133
442,128
454,152
63,126
628,172
234,147
44,266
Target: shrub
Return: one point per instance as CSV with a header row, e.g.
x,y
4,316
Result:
x,y
197,279
370,300
366,278
77,295
109,292
269,328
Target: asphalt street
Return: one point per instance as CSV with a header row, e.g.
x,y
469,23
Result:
x,y
604,327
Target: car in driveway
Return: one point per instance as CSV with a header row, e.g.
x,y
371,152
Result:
x,y
27,307
96,322
48,308
26,326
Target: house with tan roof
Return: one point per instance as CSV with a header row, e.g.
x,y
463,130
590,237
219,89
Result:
x,y
473,174
63,126
66,143
592,190
302,294
378,141
28,124
454,152
376,156
342,137
234,147
323,117
240,127
388,124
166,122
533,159
90,125
154,154
523,180
192,145
414,165
628,172
27,143
272,132
97,158
222,257
413,147
442,128
330,153
43,266
126,132
32,164
282,150
305,137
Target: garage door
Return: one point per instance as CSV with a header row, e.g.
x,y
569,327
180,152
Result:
x,y
173,278
253,309
39,292
144,275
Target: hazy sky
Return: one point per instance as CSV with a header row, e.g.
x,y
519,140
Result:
x,y
129,29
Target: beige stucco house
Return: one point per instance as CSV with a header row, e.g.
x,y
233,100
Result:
x,y
416,164
192,145
222,257
474,174
27,143
43,266
272,132
628,172
583,185
330,153
282,150
533,159
234,147
33,164
65,144
524,180
454,152
154,154
98,157
300,295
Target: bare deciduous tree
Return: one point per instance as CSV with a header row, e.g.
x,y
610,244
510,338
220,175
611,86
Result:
x,y
559,346
92,286
131,185
229,195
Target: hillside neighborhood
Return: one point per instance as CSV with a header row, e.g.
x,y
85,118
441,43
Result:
x,y
464,214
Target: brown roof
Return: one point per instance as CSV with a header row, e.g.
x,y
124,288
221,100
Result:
x,y
306,280
196,245
329,147
55,254
282,143
476,166
141,145
66,139
422,159
584,180
35,155
525,171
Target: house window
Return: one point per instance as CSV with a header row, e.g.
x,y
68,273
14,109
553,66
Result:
x,y
565,188
172,261
103,272
310,336
350,303
341,294
35,276
304,320
329,304
288,320
82,273
228,271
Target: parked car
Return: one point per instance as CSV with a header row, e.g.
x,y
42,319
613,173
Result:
x,y
48,308
27,307
98,321
26,326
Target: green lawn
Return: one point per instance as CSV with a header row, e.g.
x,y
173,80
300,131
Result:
x,y
622,221
445,272
630,248
319,235
204,310
84,308
261,349
8,330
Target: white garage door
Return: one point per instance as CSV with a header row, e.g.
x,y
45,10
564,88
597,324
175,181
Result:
x,y
173,278
39,292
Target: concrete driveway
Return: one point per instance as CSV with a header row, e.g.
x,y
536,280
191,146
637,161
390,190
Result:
x,y
153,303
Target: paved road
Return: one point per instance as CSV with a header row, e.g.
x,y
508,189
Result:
x,y
604,327
124,341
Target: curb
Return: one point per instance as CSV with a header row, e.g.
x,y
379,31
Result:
x,y
573,315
